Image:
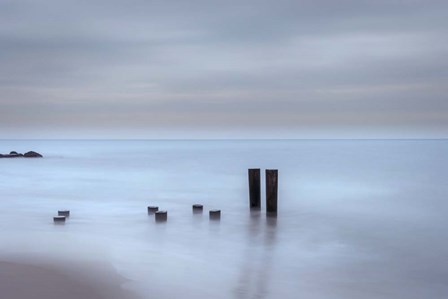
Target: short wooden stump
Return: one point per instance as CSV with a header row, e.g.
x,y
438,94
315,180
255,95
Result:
x,y
152,209
161,216
59,219
197,209
215,214
65,213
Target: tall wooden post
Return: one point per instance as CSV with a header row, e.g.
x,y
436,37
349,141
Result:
x,y
254,189
271,191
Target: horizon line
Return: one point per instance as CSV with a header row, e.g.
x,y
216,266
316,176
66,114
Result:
x,y
212,139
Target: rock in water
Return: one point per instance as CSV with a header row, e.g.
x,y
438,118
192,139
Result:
x,y
32,154
11,156
14,154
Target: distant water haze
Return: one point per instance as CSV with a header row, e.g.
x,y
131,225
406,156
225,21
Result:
x,y
357,218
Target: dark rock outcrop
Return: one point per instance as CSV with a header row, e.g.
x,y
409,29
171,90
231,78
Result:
x,y
32,154
11,156
14,154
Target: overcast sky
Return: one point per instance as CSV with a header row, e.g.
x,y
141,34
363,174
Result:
x,y
254,68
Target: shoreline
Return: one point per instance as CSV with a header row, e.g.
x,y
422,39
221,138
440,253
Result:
x,y
19,280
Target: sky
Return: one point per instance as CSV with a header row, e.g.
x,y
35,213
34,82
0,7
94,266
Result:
x,y
223,69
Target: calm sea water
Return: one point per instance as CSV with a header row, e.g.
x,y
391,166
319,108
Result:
x,y
357,219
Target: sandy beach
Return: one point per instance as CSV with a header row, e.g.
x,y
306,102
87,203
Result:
x,y
21,281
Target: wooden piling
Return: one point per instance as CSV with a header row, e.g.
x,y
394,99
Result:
x,y
161,216
59,219
152,210
197,209
215,214
271,191
65,213
254,188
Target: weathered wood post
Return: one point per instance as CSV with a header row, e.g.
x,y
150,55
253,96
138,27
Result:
x,y
59,219
197,209
215,214
271,191
65,213
254,188
161,216
152,210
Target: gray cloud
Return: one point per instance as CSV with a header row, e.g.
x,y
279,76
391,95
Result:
x,y
233,65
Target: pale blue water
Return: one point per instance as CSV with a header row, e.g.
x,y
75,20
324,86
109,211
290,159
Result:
x,y
357,219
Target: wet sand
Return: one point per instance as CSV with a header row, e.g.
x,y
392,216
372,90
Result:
x,y
21,280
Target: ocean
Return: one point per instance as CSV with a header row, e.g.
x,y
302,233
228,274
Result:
x,y
364,219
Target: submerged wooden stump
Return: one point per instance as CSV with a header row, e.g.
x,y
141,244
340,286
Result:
x,y
197,209
161,216
59,219
152,209
65,213
215,214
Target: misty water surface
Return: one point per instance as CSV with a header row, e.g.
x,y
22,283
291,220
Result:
x,y
357,219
